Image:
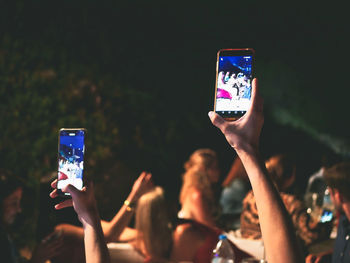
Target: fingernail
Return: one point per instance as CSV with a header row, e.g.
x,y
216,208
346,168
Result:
x,y
210,113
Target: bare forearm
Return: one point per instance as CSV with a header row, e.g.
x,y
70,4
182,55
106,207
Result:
x,y
96,250
276,226
121,220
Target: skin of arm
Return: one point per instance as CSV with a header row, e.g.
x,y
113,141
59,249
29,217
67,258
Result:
x,y
276,226
117,227
128,234
85,206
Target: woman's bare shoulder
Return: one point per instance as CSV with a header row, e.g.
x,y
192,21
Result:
x,y
195,194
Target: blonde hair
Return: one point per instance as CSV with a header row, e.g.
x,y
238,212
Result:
x,y
202,158
199,179
153,224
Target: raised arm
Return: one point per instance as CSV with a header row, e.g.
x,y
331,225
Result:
x,y
113,229
84,205
276,227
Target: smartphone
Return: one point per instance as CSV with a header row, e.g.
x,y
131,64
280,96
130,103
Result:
x,y
71,150
326,216
234,76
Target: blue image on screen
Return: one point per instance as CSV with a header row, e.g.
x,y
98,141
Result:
x,y
236,64
234,84
71,158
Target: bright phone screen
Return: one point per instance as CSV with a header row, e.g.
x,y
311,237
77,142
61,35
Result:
x,y
71,158
327,216
234,84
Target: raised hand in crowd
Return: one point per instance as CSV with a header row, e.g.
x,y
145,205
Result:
x,y
113,229
84,204
276,226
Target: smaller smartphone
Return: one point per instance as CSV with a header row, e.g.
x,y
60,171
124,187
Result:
x,y
71,150
326,216
234,76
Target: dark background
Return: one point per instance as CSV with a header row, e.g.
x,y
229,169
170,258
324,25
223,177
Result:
x,y
139,75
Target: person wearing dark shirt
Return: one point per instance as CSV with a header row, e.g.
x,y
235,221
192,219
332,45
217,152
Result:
x,y
341,252
338,181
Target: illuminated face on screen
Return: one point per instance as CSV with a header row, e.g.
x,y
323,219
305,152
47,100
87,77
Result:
x,y
71,158
234,84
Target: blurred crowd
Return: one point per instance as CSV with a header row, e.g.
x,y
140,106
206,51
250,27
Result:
x,y
312,227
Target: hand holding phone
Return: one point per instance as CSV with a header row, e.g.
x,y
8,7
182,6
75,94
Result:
x,y
83,201
234,75
71,150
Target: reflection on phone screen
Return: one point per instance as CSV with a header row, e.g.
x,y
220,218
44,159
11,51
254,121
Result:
x,y
234,84
71,158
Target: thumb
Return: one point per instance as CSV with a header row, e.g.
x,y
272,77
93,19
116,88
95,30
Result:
x,y
217,120
71,189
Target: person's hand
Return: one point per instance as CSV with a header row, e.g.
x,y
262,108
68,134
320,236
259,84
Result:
x,y
244,133
322,258
142,185
50,247
83,202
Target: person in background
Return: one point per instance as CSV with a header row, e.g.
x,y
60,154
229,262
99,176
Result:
x,y
11,190
187,240
337,178
155,237
338,181
115,230
205,160
235,187
276,227
282,170
158,239
197,197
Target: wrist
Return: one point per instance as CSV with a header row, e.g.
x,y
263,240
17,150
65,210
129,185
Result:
x,y
130,206
246,148
133,197
91,219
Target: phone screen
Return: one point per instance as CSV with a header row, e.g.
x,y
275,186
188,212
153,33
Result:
x,y
326,216
71,150
234,75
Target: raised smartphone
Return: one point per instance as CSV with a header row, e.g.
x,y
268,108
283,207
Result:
x,y
326,216
234,76
71,149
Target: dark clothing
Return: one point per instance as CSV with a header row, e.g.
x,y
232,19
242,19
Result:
x,y
341,252
8,252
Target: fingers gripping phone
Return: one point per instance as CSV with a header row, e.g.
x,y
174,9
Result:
x,y
234,76
71,149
